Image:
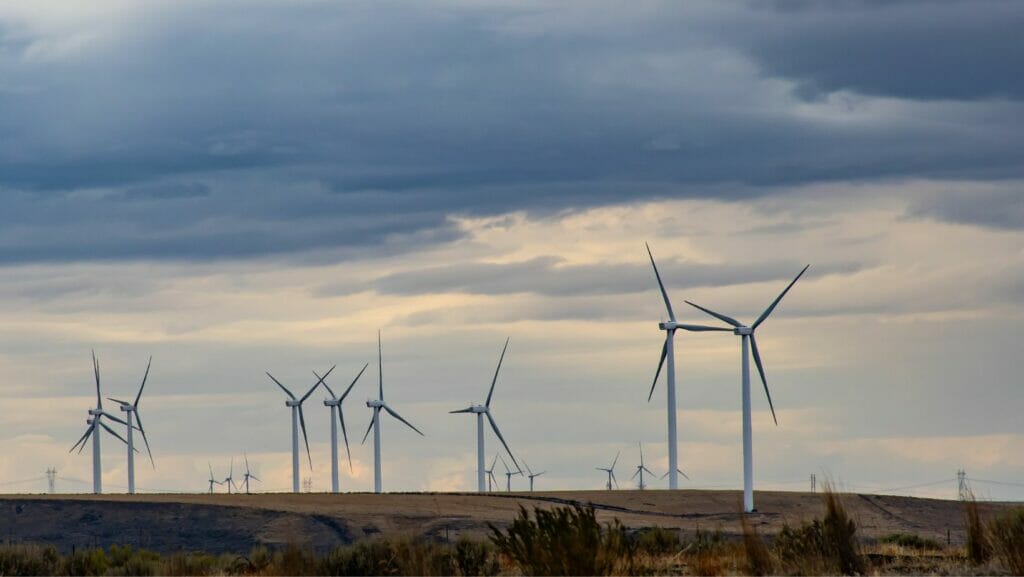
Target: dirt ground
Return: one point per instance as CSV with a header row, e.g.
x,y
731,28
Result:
x,y
236,523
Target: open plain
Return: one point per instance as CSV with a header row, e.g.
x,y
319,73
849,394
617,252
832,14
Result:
x,y
219,523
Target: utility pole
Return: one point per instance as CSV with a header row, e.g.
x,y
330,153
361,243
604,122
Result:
x,y
961,477
51,480
814,483
307,485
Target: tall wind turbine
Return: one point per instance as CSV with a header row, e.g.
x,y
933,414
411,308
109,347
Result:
x,y
212,480
335,404
611,472
480,411
230,479
508,475
130,410
532,475
668,352
96,420
378,404
749,342
298,419
641,469
491,481
248,475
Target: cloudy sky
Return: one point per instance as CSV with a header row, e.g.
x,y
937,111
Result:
x,y
236,187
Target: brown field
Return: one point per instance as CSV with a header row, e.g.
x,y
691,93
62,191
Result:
x,y
236,523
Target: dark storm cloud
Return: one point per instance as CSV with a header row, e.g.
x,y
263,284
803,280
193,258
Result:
x,y
289,128
993,209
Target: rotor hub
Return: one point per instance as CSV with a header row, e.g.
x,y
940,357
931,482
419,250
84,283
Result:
x,y
374,403
292,403
332,402
743,331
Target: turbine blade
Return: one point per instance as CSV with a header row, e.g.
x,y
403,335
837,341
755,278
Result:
x,y
683,474
494,462
380,368
119,401
345,394
504,464
302,422
648,471
255,477
764,381
635,474
497,431
370,427
318,382
143,385
701,328
326,386
775,303
495,379
344,434
399,417
96,372
113,432
144,439
661,285
616,459
246,457
283,388
539,474
81,440
466,410
718,316
616,481
115,418
664,353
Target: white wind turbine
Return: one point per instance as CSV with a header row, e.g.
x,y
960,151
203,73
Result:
x,y
491,481
746,335
130,410
377,405
335,404
532,475
230,479
480,411
641,469
668,352
508,475
298,419
96,420
247,476
611,472
212,480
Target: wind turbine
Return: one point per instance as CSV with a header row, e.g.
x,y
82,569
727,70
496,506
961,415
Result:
x,y
491,481
611,472
335,404
640,469
668,352
247,476
508,475
96,420
749,342
678,471
133,409
212,480
480,411
378,404
230,480
297,419
532,475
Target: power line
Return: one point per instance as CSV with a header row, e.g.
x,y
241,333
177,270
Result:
x,y
1007,483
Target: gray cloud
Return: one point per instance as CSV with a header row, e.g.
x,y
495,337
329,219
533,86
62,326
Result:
x,y
996,209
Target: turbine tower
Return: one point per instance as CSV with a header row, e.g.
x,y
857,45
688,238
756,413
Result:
x,y
335,404
96,420
480,411
749,343
668,351
641,469
532,475
378,404
230,479
491,481
248,475
611,472
508,475
297,419
130,410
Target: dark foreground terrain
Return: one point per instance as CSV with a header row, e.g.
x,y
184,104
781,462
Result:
x,y
320,522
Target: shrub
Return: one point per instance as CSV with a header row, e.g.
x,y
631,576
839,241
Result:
x,y
912,541
565,541
828,545
1008,540
979,548
658,541
84,562
759,559
475,557
28,560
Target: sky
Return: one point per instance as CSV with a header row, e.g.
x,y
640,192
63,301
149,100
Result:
x,y
240,187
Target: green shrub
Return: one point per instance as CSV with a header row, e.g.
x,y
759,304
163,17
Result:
x,y
705,542
839,535
912,541
1007,542
658,541
827,545
565,541
84,562
475,557
979,548
28,560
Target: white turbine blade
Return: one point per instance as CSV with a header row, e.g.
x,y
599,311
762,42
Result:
x,y
495,379
255,478
616,481
143,385
302,423
380,369
466,410
96,372
760,370
683,474
648,471
775,303
661,285
701,328
370,427
81,440
344,433
504,464
664,353
718,316
138,418
635,474
399,417
349,389
283,388
114,418
616,459
497,431
539,474
113,432
320,380
119,401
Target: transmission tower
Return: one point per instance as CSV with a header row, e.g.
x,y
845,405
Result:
x,y
307,485
51,480
961,477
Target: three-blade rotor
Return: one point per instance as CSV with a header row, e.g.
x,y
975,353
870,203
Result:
x,y
298,404
380,404
134,407
486,407
341,415
97,415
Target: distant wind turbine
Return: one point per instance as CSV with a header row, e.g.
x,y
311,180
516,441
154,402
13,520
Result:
x,y
508,475
611,472
532,475
641,469
230,480
746,335
96,420
491,481
130,410
668,352
298,419
248,475
480,411
377,405
335,404
212,480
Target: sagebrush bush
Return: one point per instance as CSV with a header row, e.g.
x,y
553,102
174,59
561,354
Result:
x,y
911,541
979,548
1007,531
758,557
658,541
828,545
29,560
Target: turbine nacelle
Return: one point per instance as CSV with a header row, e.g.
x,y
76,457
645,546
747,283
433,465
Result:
x,y
95,412
375,403
743,331
332,402
292,403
